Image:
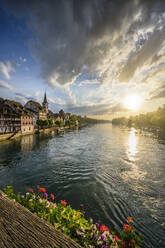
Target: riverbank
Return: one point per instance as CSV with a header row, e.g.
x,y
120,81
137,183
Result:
x,y
11,136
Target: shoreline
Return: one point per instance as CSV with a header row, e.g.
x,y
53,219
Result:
x,y
11,136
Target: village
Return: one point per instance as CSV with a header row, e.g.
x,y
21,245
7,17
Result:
x,y
16,119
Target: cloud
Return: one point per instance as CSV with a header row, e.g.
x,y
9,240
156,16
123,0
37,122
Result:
x,y
99,109
97,34
138,59
6,69
23,60
37,93
5,85
89,82
24,97
57,101
158,95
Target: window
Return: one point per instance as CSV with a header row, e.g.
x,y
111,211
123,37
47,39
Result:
x,y
29,128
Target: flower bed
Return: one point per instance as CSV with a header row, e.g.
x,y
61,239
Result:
x,y
72,222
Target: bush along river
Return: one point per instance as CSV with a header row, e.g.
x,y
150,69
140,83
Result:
x,y
115,172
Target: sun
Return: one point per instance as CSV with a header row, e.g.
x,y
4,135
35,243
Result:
x,y
132,102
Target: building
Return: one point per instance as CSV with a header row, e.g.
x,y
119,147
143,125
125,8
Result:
x,y
37,111
15,118
9,116
26,120
9,120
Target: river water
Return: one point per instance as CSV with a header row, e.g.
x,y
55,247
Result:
x,y
114,172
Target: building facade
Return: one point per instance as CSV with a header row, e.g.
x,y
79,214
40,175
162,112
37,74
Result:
x,y
9,119
26,124
37,111
14,118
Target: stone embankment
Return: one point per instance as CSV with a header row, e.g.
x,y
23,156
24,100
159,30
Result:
x,y
9,136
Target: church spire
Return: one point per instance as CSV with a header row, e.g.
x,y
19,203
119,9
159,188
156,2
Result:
x,y
45,103
45,99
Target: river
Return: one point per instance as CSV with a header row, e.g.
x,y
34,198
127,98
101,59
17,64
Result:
x,y
115,172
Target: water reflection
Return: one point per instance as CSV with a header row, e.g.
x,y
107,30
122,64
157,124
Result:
x,y
134,174
132,145
27,143
113,171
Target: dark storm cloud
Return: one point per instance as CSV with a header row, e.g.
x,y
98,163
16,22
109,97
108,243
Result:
x,y
70,34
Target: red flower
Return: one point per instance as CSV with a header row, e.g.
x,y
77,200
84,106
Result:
x,y
31,190
127,228
129,219
63,202
43,190
104,228
116,238
52,196
123,244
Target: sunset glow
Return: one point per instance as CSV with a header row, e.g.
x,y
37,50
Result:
x,y
132,102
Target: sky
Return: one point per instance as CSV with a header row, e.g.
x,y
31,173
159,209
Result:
x,y
92,57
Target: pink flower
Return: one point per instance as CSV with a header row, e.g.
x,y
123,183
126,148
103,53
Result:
x,y
40,201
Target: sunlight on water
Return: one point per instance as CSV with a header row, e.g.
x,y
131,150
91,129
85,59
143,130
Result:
x,y
134,171
116,175
132,145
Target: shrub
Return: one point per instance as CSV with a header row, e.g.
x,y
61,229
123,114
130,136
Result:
x,y
73,223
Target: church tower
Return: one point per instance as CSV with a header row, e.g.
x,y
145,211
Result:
x,y
45,103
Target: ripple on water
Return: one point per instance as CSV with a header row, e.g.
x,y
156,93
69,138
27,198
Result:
x,y
115,172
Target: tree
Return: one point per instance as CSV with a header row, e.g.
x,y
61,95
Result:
x,y
58,123
62,114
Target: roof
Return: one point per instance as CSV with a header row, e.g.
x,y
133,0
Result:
x,y
56,115
13,107
1,99
13,103
37,104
